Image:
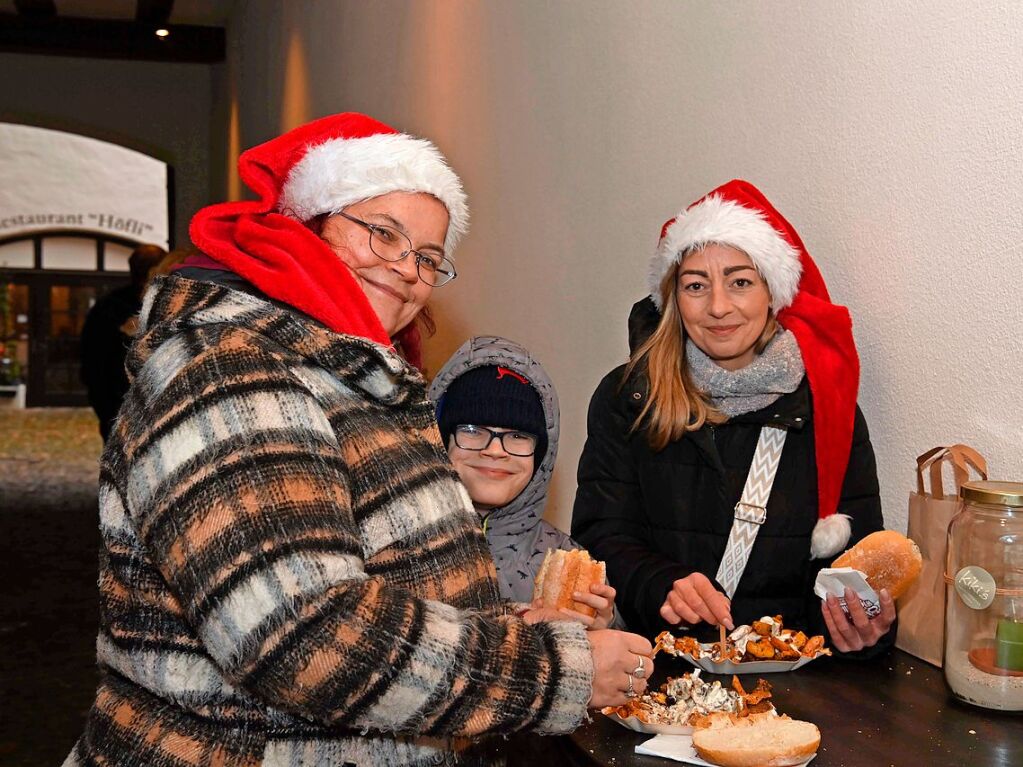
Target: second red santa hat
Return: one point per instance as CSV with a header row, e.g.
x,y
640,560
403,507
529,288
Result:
x,y
739,215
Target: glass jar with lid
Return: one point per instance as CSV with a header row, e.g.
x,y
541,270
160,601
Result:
x,y
984,596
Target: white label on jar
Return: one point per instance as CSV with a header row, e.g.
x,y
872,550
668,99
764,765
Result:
x,y
975,586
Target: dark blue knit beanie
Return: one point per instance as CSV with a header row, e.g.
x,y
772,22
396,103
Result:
x,y
494,396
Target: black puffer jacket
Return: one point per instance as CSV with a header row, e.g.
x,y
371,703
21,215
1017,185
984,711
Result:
x,y
654,517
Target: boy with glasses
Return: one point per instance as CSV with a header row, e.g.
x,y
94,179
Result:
x,y
498,416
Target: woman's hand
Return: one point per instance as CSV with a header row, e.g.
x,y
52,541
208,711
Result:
x,y
859,632
693,599
617,656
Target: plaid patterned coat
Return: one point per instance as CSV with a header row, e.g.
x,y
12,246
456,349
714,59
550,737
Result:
x,y
291,573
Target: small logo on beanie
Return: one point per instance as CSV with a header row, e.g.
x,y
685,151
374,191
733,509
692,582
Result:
x,y
502,372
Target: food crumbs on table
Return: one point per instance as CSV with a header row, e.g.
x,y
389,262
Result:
x,y
973,732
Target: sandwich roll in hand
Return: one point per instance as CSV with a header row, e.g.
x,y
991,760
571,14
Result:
x,y
758,740
888,559
564,572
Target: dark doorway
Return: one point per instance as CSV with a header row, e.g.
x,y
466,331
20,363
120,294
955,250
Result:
x,y
60,304
47,299
57,306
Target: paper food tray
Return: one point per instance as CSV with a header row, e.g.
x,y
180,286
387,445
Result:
x,y
750,667
634,724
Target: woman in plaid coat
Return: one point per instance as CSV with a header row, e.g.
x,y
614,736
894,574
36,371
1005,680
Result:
x,y
291,572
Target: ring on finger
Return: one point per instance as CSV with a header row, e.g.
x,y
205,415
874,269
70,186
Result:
x,y
639,672
630,692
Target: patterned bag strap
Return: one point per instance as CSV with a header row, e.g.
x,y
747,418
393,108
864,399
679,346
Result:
x,y
751,510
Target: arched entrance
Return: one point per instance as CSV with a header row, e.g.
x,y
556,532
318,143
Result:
x,y
71,211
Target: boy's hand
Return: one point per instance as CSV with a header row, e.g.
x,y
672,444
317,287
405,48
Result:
x,y
601,599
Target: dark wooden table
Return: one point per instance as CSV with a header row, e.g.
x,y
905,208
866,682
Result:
x,y
894,710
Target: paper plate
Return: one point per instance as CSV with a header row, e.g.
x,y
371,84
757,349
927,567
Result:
x,y
634,724
749,667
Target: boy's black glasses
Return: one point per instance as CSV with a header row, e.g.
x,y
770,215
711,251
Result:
x,y
471,437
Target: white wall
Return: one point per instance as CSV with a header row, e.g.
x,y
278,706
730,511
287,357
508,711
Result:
x,y
891,137
51,178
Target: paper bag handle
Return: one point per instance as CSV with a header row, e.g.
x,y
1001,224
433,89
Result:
x,y
962,458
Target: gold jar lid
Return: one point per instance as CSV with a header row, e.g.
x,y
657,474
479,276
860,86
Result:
x,y
998,493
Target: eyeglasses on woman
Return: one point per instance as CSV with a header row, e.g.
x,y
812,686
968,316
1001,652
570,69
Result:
x,y
389,244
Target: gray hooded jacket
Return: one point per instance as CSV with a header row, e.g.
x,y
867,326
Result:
x,y
517,534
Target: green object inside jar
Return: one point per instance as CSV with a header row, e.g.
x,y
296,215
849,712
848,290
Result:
x,y
1009,644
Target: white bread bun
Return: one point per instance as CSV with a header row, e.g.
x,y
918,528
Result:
x,y
889,559
562,573
758,740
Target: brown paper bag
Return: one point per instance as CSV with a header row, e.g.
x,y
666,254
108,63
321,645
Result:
x,y
922,608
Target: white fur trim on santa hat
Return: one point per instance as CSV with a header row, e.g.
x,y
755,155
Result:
x,y
716,220
830,536
341,172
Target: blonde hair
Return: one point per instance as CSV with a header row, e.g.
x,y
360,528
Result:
x,y
674,405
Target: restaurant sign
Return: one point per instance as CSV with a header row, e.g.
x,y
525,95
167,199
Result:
x,y
54,180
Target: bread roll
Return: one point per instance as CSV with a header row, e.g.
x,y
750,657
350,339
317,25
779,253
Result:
x,y
889,559
758,740
562,573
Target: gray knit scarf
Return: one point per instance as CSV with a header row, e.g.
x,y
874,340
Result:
x,y
779,370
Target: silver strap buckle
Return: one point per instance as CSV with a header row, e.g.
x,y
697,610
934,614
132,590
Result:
x,y
749,512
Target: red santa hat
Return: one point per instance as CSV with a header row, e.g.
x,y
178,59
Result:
x,y
737,214
318,168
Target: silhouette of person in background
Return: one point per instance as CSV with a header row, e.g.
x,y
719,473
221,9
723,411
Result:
x,y
107,333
